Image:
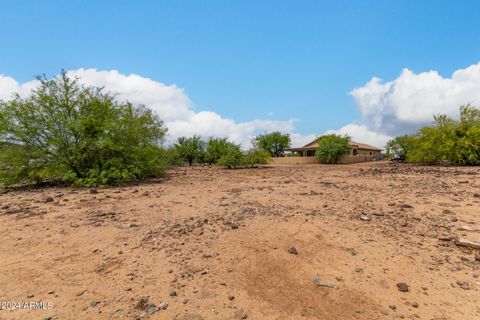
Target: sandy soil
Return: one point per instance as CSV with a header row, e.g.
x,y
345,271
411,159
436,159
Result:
x,y
284,242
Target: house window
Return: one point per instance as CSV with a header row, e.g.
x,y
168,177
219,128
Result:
x,y
354,152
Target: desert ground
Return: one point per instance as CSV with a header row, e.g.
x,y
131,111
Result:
x,y
376,240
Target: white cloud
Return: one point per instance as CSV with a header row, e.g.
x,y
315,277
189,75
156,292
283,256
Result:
x,y
409,101
9,86
170,103
361,133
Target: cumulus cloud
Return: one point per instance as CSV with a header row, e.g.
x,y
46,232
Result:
x,y
170,103
361,133
9,86
409,101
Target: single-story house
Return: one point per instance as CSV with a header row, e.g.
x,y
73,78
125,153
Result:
x,y
356,149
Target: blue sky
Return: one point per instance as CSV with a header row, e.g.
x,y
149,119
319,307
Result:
x,y
246,60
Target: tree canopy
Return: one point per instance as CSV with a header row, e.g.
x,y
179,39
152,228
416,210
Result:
x,y
447,140
275,143
332,147
190,149
82,135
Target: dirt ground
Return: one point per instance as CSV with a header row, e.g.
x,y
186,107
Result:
x,y
280,242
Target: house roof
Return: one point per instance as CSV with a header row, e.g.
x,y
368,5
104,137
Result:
x,y
314,145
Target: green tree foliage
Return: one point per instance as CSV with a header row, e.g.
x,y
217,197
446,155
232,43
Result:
x,y
232,158
82,135
275,143
172,157
254,157
400,147
190,149
448,140
216,148
332,147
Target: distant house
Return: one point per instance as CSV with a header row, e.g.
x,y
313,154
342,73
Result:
x,y
356,149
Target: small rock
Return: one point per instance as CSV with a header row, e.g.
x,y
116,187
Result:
x,y
142,303
48,199
467,243
146,194
151,310
231,297
240,315
463,284
405,206
477,257
173,294
292,250
30,295
93,190
94,303
364,217
476,195
415,304
402,287
318,282
392,306
162,306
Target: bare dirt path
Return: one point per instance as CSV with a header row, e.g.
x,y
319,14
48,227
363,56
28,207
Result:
x,y
283,242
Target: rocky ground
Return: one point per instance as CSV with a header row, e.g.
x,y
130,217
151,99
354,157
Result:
x,y
364,241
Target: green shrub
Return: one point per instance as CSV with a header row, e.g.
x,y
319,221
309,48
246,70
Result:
x,y
233,157
332,147
400,147
255,156
82,135
216,148
190,149
448,140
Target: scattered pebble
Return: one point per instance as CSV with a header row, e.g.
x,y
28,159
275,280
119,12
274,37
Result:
x,y
292,250
402,287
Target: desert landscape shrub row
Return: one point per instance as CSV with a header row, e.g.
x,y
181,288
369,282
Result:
x,y
65,132
217,151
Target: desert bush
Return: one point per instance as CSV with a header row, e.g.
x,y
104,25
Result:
x,y
332,147
82,135
447,140
400,147
172,157
216,148
232,158
275,143
190,149
254,157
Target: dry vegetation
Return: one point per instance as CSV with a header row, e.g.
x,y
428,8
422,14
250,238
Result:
x,y
284,242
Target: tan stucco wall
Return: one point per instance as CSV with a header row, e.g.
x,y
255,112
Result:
x,y
312,160
295,160
365,152
356,159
